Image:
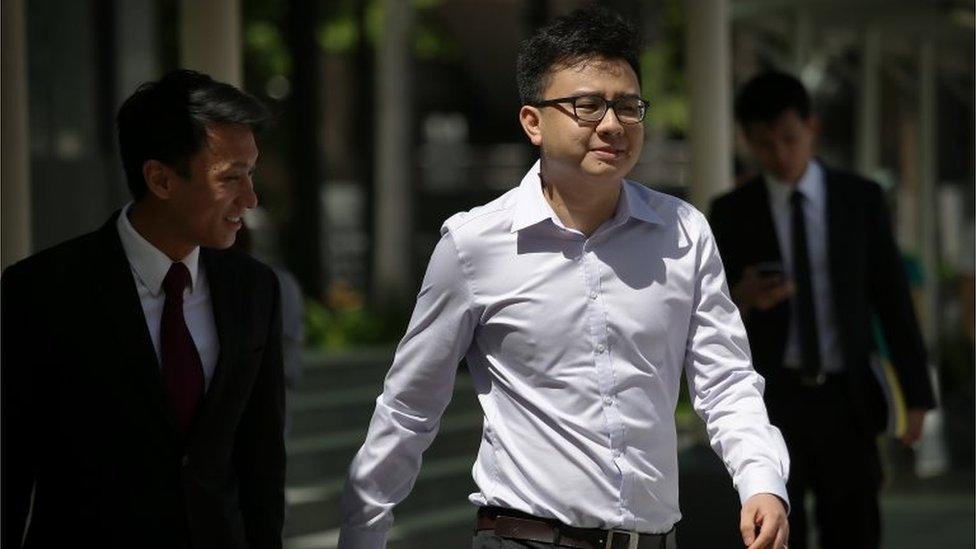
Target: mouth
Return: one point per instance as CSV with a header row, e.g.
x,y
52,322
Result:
x,y
608,153
235,219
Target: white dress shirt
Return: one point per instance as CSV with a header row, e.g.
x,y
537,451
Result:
x,y
149,267
813,187
576,347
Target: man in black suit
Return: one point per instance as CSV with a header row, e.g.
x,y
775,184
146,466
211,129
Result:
x,y
142,376
811,260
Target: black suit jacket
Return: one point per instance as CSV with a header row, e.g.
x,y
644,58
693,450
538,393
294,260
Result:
x,y
867,278
86,424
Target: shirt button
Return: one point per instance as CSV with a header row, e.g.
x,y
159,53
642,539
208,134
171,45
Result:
x,y
608,401
593,295
600,348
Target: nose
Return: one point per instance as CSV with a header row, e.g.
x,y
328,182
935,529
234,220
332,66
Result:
x,y
248,198
782,155
610,124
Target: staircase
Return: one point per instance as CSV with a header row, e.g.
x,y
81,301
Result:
x,y
331,410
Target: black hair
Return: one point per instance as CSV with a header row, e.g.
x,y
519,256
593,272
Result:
x,y
569,40
768,95
166,121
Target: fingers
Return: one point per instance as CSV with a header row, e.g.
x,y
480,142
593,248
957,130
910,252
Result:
x,y
747,523
773,295
766,537
915,419
910,438
782,536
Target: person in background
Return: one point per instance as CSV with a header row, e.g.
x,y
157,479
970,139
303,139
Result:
x,y
578,299
811,258
292,316
142,383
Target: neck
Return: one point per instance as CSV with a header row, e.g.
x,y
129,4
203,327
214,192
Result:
x,y
581,205
150,221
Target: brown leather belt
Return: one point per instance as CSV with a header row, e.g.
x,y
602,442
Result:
x,y
511,524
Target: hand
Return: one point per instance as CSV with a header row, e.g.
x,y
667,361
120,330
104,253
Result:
x,y
763,522
759,291
914,418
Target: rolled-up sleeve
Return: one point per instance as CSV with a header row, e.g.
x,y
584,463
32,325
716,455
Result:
x,y
726,391
417,389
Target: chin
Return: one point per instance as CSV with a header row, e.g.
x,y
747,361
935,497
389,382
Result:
x,y
221,242
603,169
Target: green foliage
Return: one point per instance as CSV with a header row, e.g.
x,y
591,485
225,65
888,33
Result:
x,y
267,48
340,32
342,329
663,85
663,73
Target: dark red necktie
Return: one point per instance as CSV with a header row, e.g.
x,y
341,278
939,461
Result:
x,y
182,368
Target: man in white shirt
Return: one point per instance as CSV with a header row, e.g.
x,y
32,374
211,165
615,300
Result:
x,y
578,299
142,367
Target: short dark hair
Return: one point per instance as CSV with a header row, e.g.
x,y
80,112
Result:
x,y
166,121
569,40
768,95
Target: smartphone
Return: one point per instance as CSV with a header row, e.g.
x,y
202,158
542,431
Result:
x,y
770,268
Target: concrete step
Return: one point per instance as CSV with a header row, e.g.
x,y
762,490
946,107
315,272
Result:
x,y
331,410
444,480
327,456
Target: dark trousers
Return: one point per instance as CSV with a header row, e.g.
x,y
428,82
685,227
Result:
x,y
487,539
831,458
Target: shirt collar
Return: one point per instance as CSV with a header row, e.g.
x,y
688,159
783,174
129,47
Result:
x,y
636,204
149,263
531,206
810,185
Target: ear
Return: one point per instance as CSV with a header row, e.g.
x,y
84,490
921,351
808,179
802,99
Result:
x,y
813,122
531,120
159,178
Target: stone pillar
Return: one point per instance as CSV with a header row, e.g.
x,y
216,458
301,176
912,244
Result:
x,y
210,38
710,106
802,40
930,453
867,152
393,246
14,136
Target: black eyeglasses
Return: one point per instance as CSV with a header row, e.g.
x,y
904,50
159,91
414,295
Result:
x,y
592,108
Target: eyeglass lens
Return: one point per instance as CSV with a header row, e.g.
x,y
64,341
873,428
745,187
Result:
x,y
592,108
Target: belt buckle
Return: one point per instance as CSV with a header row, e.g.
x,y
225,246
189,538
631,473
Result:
x,y
813,380
633,538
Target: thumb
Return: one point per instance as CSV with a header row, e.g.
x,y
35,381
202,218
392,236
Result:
x,y
747,526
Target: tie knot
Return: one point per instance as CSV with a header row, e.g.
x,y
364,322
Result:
x,y
177,279
796,197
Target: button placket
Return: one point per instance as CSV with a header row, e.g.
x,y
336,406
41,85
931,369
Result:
x,y
598,330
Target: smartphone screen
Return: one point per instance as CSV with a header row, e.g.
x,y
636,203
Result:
x,y
770,268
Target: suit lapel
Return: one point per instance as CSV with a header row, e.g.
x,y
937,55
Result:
x,y
226,300
133,346
838,229
767,248
764,243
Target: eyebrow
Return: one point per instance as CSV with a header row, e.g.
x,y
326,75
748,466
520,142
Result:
x,y
586,92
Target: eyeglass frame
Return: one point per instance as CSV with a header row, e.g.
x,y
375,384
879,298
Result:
x,y
609,104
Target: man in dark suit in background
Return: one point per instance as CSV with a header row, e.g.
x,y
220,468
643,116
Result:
x,y
810,259
142,376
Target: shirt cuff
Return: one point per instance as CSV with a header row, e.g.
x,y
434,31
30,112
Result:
x,y
354,538
763,481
